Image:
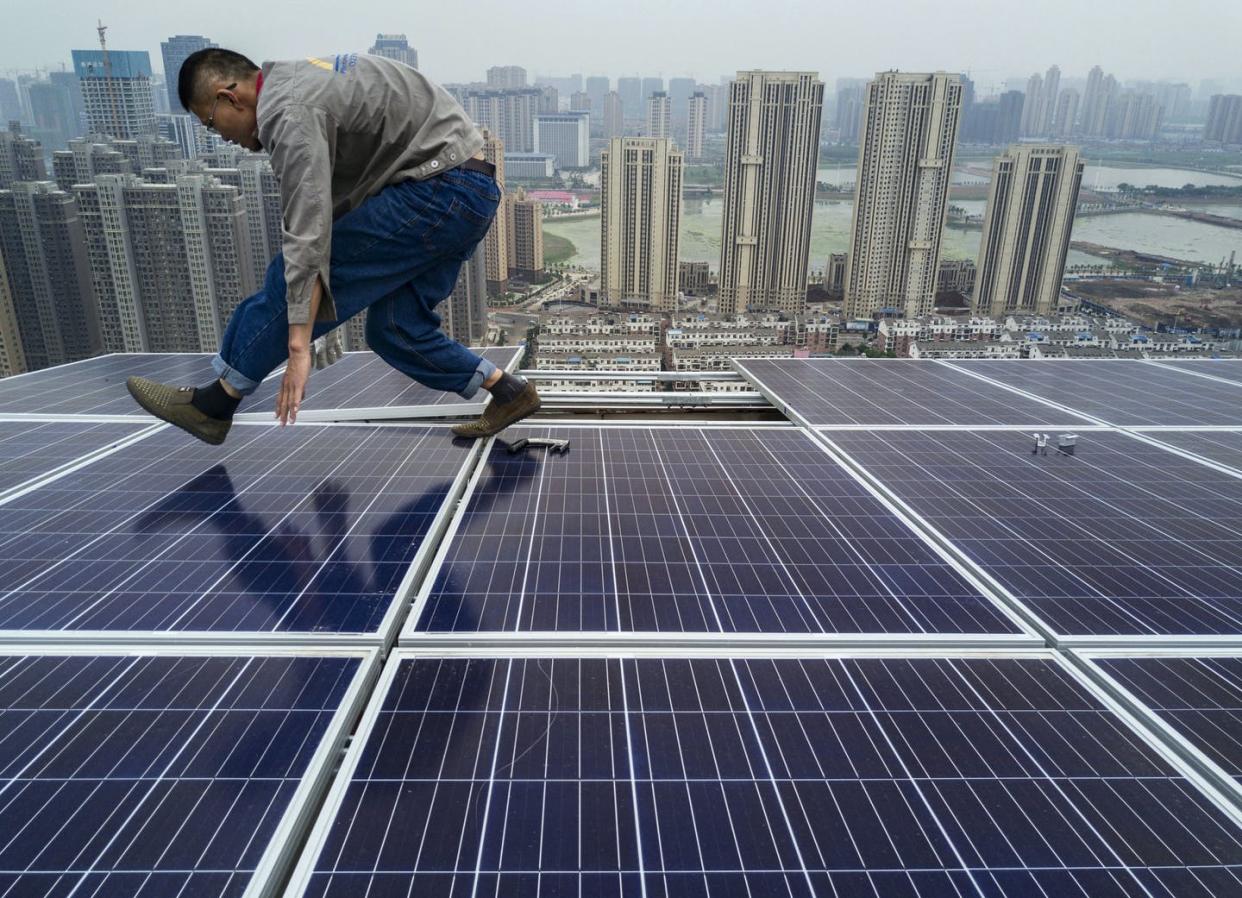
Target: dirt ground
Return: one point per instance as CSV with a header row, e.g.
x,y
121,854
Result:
x,y
1151,303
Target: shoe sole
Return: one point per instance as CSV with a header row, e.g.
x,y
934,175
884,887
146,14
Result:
x,y
159,413
509,423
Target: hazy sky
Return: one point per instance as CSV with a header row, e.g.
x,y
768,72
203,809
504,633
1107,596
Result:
x,y
1146,39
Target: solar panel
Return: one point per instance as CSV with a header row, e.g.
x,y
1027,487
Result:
x,y
362,386
1228,369
164,774
835,392
1197,697
655,776
685,530
97,386
1120,391
303,531
1122,539
1221,446
33,449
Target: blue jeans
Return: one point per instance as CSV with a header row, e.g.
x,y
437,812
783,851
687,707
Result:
x,y
397,254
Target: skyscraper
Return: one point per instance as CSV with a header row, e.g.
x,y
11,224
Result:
x,y
1032,107
49,281
1224,119
55,105
1026,234
506,76
849,107
464,312
261,194
509,114
640,223
905,164
696,125
614,115
395,46
496,243
10,102
21,158
525,228
12,359
597,87
771,154
1048,102
176,50
565,135
631,92
659,116
1063,122
651,85
118,103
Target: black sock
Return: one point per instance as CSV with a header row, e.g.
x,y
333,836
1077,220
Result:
x,y
507,388
214,402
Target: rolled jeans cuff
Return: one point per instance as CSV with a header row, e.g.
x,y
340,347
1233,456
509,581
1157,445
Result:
x,y
482,372
234,378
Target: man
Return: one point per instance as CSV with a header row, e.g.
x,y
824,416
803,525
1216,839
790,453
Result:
x,y
384,193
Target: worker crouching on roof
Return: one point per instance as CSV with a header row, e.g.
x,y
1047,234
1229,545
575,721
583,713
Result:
x,y
384,194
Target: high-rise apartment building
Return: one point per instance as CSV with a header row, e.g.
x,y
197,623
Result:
x,y
679,92
696,125
509,114
261,194
10,102
55,109
496,243
1063,122
463,314
640,182
597,87
565,135
525,227
1224,122
580,101
117,96
614,115
169,261
395,46
549,98
771,154
905,165
21,158
176,50
659,117
49,281
1026,233
631,92
850,93
652,85
12,359
994,121
1033,105
506,76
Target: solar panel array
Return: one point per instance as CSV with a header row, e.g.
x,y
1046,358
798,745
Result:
x,y
362,386
676,660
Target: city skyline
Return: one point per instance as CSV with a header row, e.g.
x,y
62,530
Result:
x,y
1195,44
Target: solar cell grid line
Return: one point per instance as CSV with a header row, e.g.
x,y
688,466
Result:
x,y
31,450
310,533
1121,392
1193,699
870,774
1122,542
97,386
362,386
166,772
1225,369
1224,447
679,532
892,392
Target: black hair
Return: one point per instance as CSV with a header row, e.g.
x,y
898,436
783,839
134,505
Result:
x,y
205,66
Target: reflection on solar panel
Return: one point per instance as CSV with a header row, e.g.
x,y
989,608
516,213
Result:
x,y
1121,392
671,777
97,386
159,775
1229,369
1123,538
1200,698
362,386
682,530
828,392
30,449
309,529
1221,446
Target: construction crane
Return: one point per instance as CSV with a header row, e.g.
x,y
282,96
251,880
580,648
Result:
x,y
107,62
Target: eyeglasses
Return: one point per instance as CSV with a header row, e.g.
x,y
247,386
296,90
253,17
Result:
x,y
210,124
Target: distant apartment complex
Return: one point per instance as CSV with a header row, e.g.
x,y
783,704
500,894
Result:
x,y
117,96
771,155
641,220
1224,122
1026,234
905,165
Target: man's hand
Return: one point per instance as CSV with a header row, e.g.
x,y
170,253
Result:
x,y
327,349
293,386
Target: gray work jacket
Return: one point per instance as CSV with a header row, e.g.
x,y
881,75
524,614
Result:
x,y
339,129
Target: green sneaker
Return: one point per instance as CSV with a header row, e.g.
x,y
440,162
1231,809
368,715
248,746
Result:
x,y
172,404
497,416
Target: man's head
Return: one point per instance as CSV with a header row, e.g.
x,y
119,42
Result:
x,y
218,87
